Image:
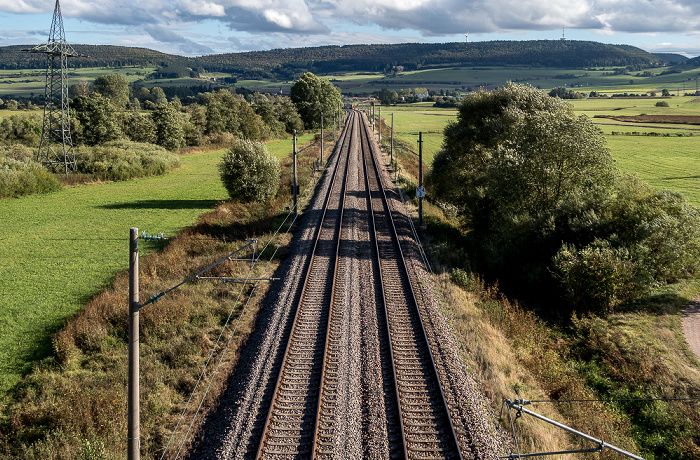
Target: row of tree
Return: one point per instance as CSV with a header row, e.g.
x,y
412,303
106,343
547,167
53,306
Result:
x,y
110,109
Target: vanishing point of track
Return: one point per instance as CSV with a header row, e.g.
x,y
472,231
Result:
x,y
305,405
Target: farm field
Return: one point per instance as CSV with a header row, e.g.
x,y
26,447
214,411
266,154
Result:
x,y
666,161
32,82
58,250
26,82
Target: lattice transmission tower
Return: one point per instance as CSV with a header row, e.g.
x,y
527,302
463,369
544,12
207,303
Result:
x,y
56,147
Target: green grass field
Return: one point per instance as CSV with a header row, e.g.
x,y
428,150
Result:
x,y
664,162
409,121
58,250
32,82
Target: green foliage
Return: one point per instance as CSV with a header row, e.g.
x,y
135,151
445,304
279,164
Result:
x,y
168,127
313,96
538,190
21,128
288,114
95,120
229,113
626,365
124,160
598,277
21,175
661,104
139,128
114,87
249,172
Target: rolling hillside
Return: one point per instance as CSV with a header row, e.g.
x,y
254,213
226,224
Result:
x,y
291,62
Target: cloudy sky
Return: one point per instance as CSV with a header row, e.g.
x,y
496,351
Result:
x,y
196,27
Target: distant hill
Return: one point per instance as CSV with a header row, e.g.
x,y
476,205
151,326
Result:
x,y
14,57
288,64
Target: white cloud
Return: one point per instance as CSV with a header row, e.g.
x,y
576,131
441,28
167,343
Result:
x,y
283,23
21,6
202,8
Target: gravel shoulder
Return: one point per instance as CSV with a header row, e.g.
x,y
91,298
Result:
x,y
691,325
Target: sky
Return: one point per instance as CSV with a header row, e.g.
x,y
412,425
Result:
x,y
199,27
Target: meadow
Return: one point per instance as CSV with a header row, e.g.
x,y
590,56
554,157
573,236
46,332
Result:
x,y
666,160
58,250
31,82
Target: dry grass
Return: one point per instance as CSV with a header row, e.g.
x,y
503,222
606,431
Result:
x,y
74,405
513,354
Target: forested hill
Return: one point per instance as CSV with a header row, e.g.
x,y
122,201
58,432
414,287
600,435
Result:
x,y
289,63
411,56
15,57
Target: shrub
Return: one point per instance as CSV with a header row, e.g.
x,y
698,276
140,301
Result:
x,y
662,104
598,277
249,172
124,160
20,175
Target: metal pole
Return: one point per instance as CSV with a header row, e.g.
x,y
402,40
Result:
x,y
335,114
601,443
294,181
134,442
392,139
420,177
321,139
380,125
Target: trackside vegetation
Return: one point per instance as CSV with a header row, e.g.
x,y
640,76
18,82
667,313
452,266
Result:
x,y
72,405
629,360
547,212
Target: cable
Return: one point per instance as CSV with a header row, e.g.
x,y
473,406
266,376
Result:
x,y
613,400
235,328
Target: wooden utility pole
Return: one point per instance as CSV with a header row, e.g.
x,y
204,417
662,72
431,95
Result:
x,y
380,125
321,160
134,442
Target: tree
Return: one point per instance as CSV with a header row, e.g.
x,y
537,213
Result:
x,y
288,114
97,120
314,96
139,128
114,87
158,95
249,172
168,127
548,213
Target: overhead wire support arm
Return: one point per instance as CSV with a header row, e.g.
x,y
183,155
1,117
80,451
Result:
x,y
157,296
518,406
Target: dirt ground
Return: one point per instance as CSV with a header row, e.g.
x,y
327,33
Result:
x,y
691,325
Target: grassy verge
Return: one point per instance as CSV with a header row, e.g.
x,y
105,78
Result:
x,y
73,402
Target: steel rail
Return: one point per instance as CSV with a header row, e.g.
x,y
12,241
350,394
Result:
x,y
394,236
341,206
265,435
373,236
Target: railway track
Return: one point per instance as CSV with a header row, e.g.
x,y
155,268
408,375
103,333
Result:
x,y
305,418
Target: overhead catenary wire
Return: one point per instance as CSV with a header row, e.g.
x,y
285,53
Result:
x,y
294,216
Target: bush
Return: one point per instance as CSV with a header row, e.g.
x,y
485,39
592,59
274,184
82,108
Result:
x,y
598,277
662,104
124,160
249,172
23,176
